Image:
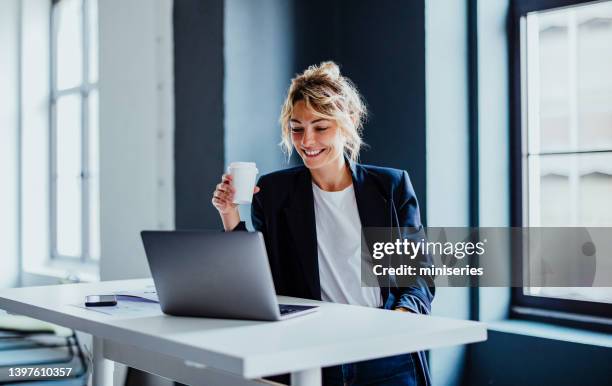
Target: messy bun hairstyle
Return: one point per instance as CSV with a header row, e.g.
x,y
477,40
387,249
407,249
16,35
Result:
x,y
331,96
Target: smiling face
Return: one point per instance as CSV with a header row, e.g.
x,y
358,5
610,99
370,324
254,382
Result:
x,y
317,140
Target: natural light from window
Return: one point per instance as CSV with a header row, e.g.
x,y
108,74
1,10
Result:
x,y
568,158
75,229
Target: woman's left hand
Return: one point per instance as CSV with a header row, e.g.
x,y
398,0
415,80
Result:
x,y
402,309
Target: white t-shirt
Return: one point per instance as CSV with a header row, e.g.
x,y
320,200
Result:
x,y
339,249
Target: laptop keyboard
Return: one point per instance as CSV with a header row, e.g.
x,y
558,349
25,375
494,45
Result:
x,y
286,309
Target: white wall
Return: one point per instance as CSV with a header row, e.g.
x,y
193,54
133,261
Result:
x,y
9,123
447,113
136,130
35,70
493,116
447,156
493,139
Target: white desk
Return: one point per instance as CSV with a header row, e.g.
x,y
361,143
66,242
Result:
x,y
201,351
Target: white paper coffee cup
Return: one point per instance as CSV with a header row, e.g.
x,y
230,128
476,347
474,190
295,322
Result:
x,y
243,180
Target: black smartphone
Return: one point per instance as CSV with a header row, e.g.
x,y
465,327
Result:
x,y
100,300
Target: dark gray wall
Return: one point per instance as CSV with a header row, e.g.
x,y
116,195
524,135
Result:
x,y
507,359
198,89
381,47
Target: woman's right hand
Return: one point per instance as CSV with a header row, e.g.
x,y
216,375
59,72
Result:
x,y
224,195
223,198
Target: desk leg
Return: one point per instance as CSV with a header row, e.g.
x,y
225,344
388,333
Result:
x,y
310,377
100,365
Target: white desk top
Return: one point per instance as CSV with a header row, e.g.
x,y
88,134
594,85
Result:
x,y
335,334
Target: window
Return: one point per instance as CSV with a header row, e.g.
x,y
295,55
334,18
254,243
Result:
x,y
562,131
74,181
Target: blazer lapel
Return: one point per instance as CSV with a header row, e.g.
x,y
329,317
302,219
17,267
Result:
x,y
374,206
372,203
300,217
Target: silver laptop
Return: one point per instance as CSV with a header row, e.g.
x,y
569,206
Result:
x,y
215,274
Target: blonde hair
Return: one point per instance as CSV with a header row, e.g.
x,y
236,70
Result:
x,y
329,95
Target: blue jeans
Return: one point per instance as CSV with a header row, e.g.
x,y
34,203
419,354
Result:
x,y
399,370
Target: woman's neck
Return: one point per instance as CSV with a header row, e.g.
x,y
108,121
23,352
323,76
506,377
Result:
x,y
333,177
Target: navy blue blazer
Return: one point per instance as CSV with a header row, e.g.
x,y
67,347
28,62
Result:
x,y
283,211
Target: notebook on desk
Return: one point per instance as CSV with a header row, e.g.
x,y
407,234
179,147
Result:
x,y
147,294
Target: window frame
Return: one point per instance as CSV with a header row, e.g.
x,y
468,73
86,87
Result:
x,y
83,90
578,313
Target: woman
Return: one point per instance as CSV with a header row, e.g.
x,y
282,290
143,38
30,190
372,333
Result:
x,y
311,216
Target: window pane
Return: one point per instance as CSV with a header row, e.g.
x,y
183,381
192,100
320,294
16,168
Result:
x,y
570,81
69,62
92,23
570,190
595,190
549,191
594,56
94,177
553,58
68,178
569,109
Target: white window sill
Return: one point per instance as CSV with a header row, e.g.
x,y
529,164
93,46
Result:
x,y
55,272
